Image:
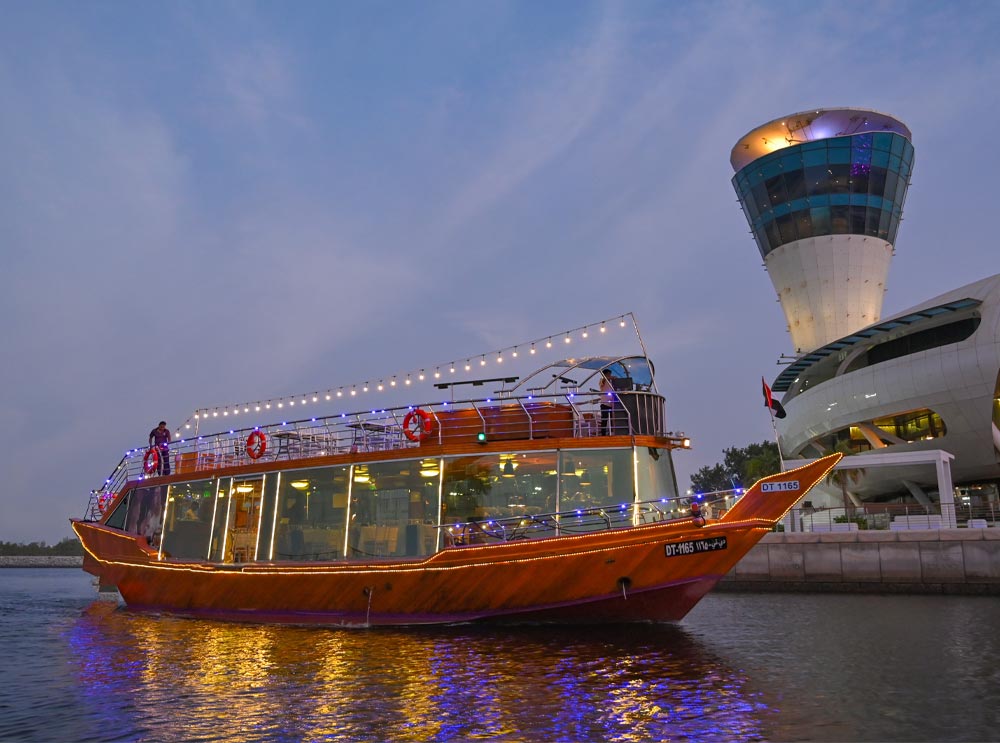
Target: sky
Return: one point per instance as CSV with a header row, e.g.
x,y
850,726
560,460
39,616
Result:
x,y
204,203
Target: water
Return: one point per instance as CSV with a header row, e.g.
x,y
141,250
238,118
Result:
x,y
740,667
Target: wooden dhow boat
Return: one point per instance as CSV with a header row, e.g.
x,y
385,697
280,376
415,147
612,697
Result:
x,y
553,499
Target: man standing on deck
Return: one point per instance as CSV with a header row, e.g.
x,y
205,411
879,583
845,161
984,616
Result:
x,y
160,438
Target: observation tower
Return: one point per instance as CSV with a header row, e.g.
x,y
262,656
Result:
x,y
823,191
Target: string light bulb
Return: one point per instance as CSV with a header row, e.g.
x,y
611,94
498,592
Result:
x,y
603,329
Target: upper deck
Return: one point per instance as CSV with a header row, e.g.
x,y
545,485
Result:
x,y
560,401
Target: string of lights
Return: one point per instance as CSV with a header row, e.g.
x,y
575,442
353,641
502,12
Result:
x,y
432,372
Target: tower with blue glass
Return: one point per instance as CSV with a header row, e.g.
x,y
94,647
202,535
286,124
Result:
x,y
823,192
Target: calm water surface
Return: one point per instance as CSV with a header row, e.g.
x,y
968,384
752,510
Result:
x,y
740,667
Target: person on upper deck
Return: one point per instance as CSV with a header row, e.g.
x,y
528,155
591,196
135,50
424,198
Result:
x,y
607,390
160,438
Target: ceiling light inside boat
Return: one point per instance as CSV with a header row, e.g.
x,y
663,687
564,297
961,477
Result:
x,y
361,477
300,484
430,472
244,488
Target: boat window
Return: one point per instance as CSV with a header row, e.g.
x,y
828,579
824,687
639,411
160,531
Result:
x,y
117,518
592,481
505,486
311,514
145,513
188,527
657,480
393,509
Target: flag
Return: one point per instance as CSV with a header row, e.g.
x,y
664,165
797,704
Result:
x,y
771,403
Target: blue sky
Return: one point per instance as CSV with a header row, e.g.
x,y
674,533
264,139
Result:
x,y
213,202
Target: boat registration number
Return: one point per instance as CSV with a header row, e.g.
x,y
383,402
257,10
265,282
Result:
x,y
779,486
695,546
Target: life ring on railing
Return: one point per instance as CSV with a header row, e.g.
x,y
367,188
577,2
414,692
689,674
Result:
x,y
424,425
256,444
104,500
151,461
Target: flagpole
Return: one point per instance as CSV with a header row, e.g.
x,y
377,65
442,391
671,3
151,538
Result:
x,y
769,404
777,443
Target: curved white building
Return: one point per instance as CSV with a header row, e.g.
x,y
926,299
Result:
x,y
925,378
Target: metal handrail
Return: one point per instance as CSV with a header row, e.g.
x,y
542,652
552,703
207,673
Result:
x,y
572,521
569,415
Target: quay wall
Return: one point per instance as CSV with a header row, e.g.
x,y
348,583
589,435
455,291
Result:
x,y
40,561
917,561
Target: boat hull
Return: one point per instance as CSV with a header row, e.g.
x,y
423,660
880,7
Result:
x,y
650,572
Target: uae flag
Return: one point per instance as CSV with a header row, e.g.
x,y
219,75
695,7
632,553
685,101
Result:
x,y
771,403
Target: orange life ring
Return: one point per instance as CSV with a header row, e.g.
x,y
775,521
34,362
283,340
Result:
x,y
151,461
424,427
256,444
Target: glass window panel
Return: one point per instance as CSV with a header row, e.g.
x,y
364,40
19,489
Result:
x,y
861,149
791,160
385,499
776,190
221,544
786,227
880,159
820,220
858,220
882,141
840,220
859,179
839,178
895,163
782,209
840,199
803,223
770,169
311,514
871,221
893,226
773,236
876,181
657,482
891,178
840,155
897,144
760,198
145,513
815,157
187,530
593,480
817,179
499,491
819,200
795,184
883,223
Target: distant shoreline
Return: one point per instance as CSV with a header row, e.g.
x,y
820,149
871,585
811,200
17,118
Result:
x,y
41,561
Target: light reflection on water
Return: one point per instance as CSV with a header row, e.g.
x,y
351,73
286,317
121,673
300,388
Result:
x,y
195,680
740,667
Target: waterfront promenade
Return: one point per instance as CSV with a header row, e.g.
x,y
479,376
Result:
x,y
872,561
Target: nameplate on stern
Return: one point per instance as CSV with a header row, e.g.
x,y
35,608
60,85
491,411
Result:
x,y
695,546
780,486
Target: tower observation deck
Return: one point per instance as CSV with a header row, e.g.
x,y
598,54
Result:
x,y
823,192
